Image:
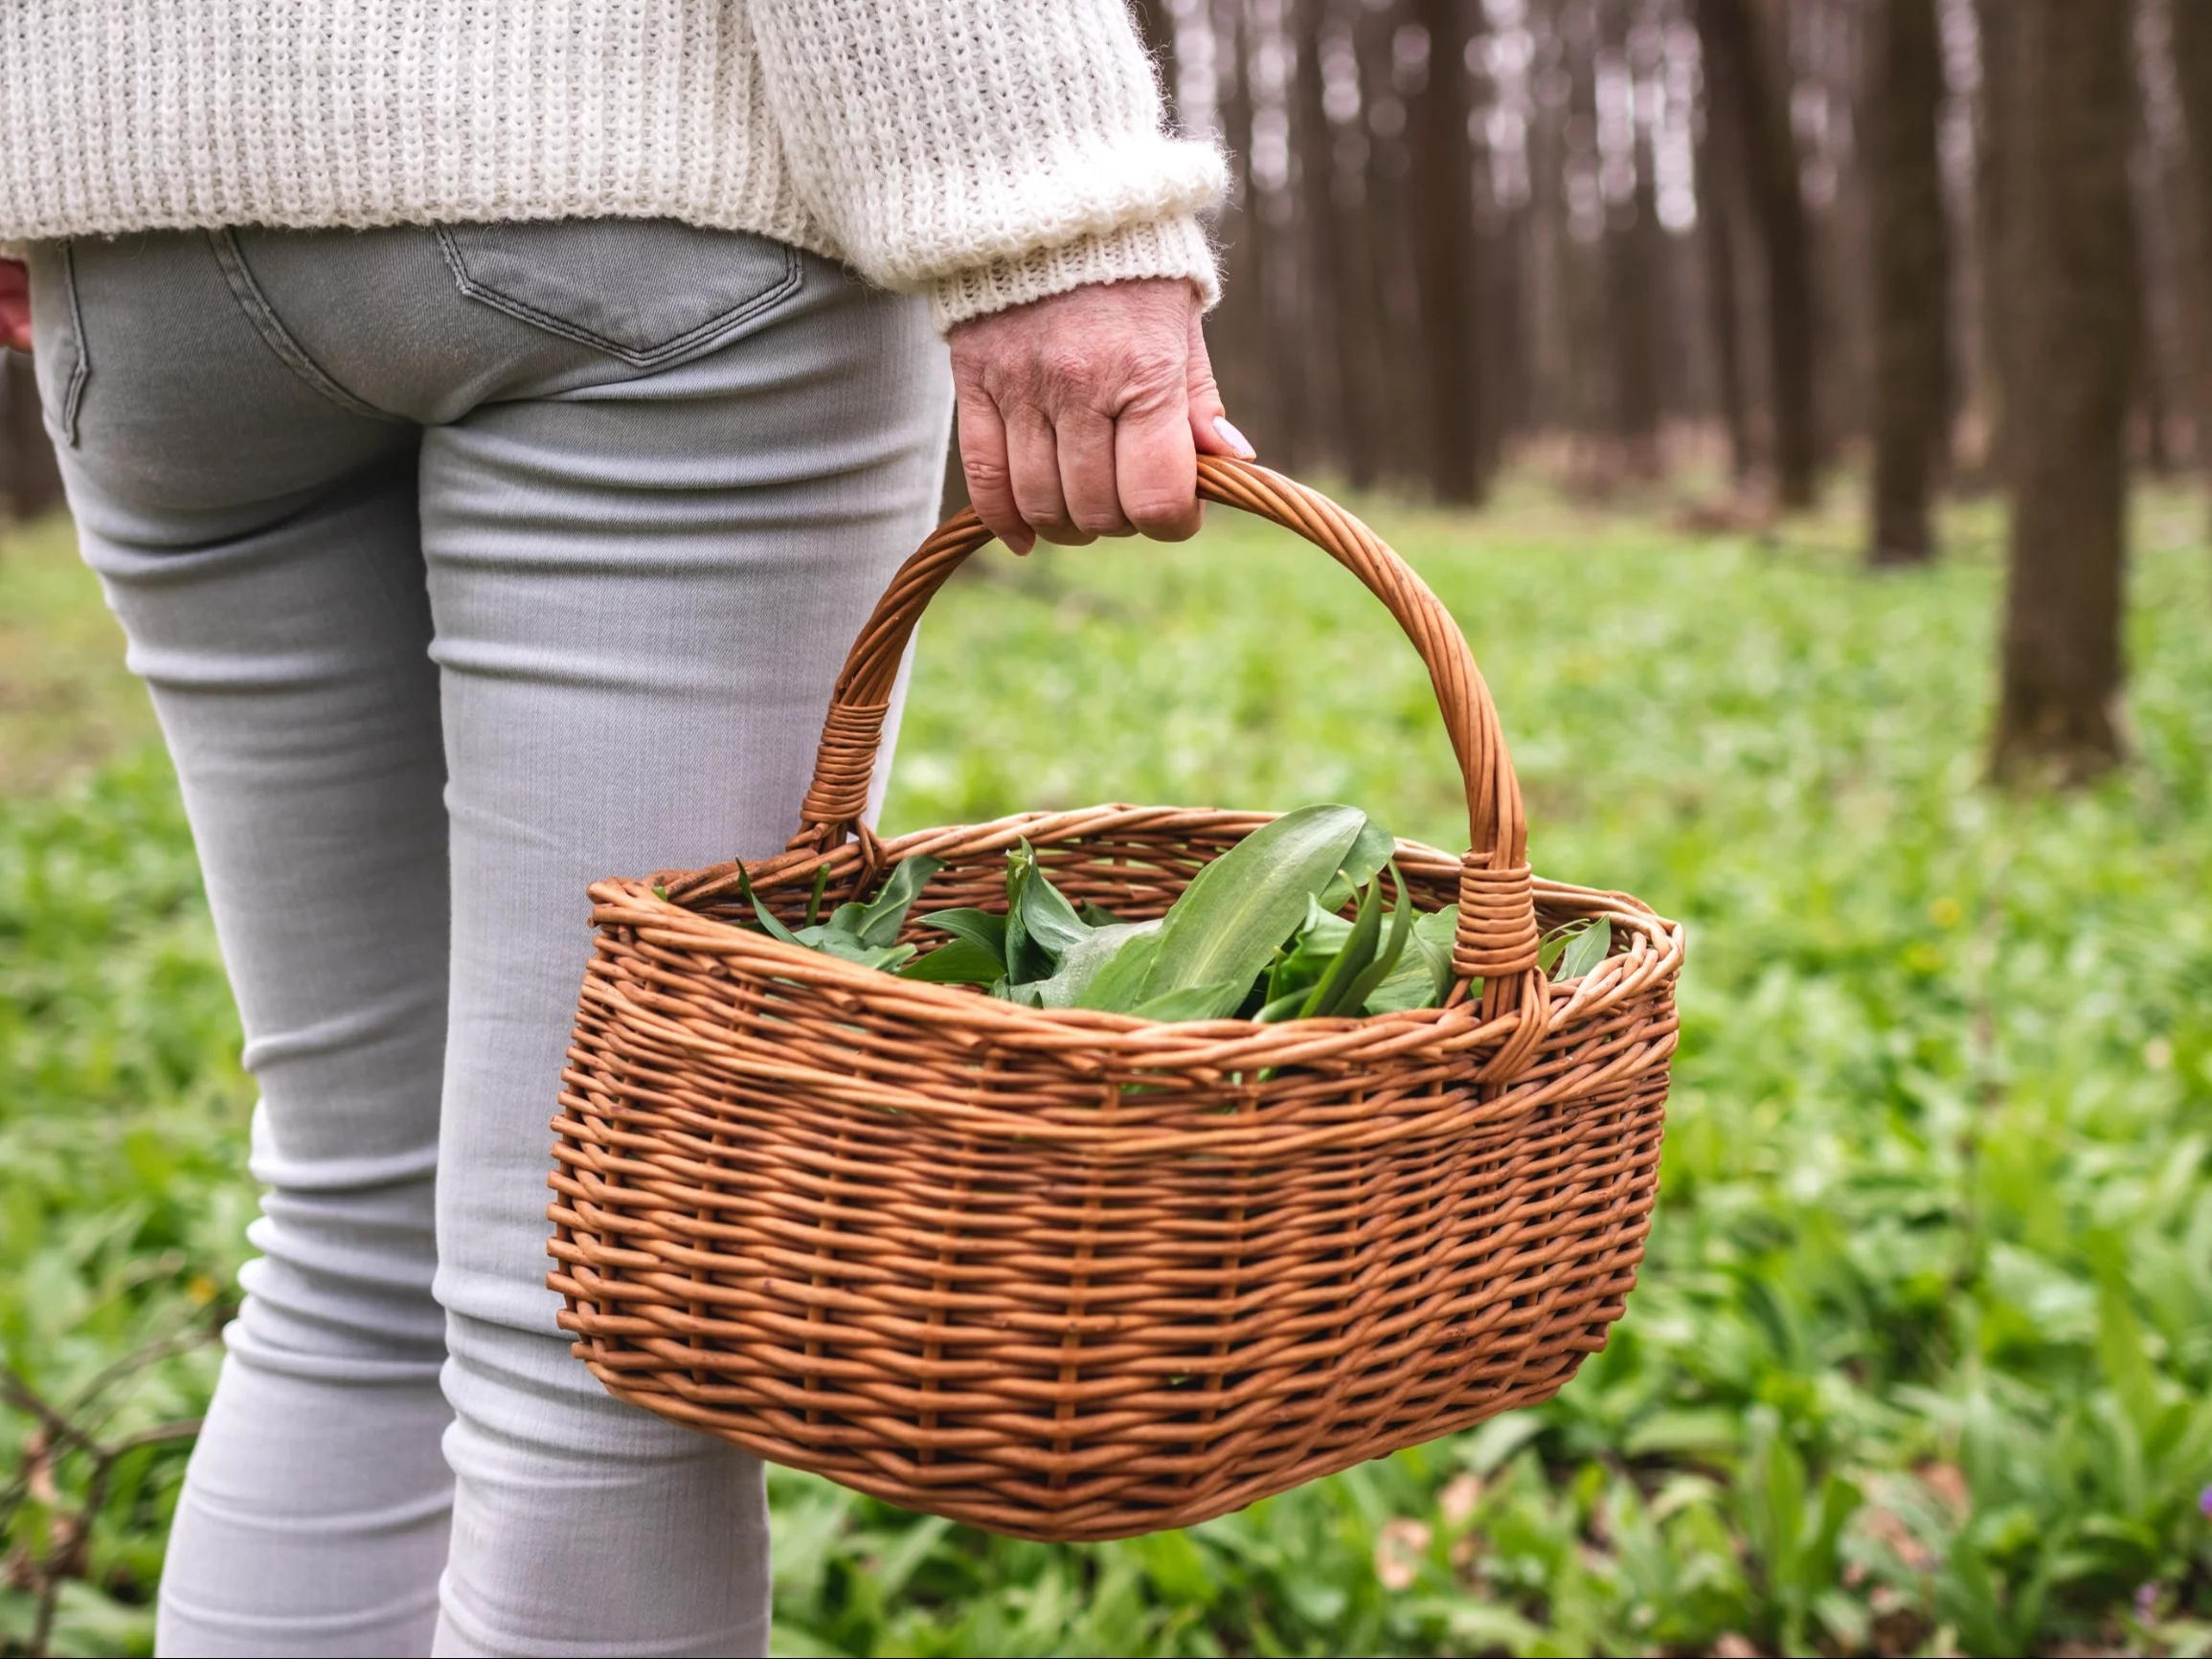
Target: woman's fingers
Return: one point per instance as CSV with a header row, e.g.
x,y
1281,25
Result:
x,y
1156,468
1087,473
1091,408
1033,454
983,463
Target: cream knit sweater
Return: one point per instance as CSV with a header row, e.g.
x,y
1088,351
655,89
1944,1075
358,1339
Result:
x,y
984,152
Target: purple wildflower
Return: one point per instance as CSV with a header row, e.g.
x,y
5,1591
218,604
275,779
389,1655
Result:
x,y
2204,1503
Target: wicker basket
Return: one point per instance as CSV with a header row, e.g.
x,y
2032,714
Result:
x,y
1070,1275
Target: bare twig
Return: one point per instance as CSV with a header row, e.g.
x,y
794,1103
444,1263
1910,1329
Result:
x,y
73,1430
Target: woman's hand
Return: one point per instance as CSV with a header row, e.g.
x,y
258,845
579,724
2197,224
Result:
x,y
1082,414
15,305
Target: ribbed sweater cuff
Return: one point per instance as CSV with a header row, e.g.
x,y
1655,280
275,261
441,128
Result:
x,y
1169,247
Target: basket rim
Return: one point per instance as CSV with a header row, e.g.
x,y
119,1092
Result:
x,y
670,922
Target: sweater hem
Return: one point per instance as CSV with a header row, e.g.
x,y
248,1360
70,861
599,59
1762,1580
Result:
x,y
1165,248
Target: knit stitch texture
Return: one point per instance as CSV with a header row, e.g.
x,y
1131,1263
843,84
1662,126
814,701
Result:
x,y
983,152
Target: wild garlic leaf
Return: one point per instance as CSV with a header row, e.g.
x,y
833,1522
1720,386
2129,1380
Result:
x,y
1301,963
1083,961
985,929
1423,975
1359,944
880,920
1048,917
1215,1001
1375,848
956,962
1118,982
836,942
1030,959
761,913
1587,948
1354,999
1553,945
1237,911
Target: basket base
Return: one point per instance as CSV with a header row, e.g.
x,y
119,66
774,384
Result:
x,y
1089,1517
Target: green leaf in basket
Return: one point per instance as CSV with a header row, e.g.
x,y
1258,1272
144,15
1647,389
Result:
x,y
983,927
814,899
956,962
1359,951
1026,961
1423,975
1047,916
1586,948
1375,848
1025,994
1553,945
879,922
1040,921
1299,965
1082,962
1118,982
1215,1001
1354,999
846,946
761,915
1237,911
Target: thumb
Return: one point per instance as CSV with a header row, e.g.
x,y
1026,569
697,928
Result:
x,y
1209,427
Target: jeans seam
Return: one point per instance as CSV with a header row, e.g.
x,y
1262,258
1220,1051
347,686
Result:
x,y
279,339
80,370
658,356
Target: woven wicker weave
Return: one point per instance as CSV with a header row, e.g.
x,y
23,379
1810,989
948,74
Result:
x,y
1075,1275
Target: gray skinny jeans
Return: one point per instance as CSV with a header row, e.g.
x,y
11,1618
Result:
x,y
466,565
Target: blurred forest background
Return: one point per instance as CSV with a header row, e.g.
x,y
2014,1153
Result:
x,y
1804,405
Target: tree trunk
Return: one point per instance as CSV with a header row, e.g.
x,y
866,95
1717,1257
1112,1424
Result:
x,y
1397,313
1719,200
1636,258
1446,267
1737,39
1995,189
1338,255
2075,311
1235,333
1910,284
2191,24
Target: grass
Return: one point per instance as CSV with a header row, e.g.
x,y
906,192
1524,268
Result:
x,y
1921,1360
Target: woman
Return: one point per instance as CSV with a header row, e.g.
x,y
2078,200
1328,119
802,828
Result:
x,y
491,420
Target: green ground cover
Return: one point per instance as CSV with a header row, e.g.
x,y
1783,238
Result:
x,y
1922,1356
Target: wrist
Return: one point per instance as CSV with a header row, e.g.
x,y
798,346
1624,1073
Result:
x,y
1174,247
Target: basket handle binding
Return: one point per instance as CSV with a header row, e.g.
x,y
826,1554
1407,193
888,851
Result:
x,y
1496,939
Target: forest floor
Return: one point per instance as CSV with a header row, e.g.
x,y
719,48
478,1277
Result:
x,y
1921,1359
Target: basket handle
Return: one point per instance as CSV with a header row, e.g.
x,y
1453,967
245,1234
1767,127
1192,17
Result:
x,y
1496,939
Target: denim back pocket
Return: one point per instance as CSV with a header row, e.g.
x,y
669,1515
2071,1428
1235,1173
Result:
x,y
647,291
57,338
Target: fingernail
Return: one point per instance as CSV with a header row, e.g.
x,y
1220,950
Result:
x,y
1234,439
